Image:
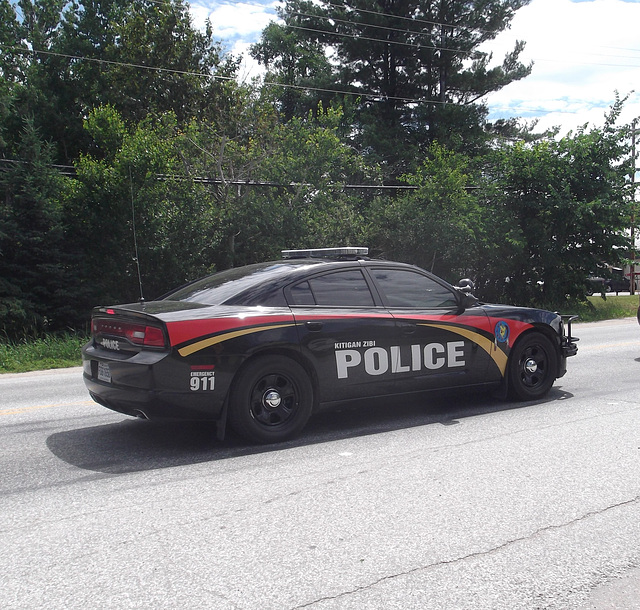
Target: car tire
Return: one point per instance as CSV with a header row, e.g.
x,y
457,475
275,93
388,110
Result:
x,y
271,400
532,368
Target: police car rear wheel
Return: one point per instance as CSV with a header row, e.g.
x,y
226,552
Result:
x,y
271,400
532,367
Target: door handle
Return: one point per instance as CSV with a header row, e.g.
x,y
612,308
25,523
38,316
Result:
x,y
408,329
313,326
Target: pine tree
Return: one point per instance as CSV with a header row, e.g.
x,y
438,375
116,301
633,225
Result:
x,y
414,67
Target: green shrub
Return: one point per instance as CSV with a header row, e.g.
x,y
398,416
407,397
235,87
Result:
x,y
46,352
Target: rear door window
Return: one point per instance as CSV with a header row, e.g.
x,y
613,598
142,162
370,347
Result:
x,y
346,288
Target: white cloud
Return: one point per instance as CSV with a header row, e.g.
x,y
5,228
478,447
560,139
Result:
x,y
582,51
231,22
237,26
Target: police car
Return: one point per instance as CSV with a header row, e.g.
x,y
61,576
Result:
x,y
263,346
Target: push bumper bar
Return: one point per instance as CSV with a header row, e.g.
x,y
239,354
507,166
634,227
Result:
x,y
568,345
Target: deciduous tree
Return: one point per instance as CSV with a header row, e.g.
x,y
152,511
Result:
x,y
554,211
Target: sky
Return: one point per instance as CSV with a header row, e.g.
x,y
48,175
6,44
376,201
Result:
x,y
583,52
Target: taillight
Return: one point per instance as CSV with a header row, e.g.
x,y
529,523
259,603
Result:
x,y
138,334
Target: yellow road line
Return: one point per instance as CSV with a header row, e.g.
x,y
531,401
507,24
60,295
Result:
x,y
36,407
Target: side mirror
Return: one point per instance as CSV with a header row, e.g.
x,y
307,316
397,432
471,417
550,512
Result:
x,y
466,285
467,300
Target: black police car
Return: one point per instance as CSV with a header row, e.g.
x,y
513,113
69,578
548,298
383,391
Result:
x,y
263,346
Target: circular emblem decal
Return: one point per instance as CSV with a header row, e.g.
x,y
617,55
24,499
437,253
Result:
x,y
502,332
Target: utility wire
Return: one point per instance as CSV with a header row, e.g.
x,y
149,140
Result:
x,y
412,20
405,33
399,30
381,40
369,12
362,94
369,95
70,170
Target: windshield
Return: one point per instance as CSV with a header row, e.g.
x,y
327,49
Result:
x,y
220,287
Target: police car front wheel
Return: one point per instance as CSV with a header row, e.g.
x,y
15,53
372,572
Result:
x,y
532,367
271,400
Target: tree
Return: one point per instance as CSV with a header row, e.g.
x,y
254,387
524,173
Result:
x,y
414,66
278,185
134,188
152,59
34,288
557,210
435,225
141,57
299,74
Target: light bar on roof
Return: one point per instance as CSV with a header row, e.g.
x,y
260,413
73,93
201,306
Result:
x,y
325,252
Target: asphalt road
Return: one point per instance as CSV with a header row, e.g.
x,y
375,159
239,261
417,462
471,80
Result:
x,y
459,502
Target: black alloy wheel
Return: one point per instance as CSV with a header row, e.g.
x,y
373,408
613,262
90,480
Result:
x,y
271,400
533,366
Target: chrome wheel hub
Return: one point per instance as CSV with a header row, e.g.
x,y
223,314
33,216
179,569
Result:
x,y
272,399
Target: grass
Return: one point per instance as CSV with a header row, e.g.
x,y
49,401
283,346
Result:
x,y
60,351
48,352
609,308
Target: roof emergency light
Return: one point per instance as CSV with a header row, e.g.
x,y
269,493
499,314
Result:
x,y
325,252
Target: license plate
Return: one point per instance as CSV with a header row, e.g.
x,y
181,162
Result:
x,y
104,372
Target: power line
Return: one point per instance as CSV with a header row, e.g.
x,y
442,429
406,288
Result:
x,y
412,20
364,94
381,40
401,31
368,95
374,13
71,171
371,25
120,63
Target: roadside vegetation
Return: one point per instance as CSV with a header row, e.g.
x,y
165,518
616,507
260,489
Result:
x,y
611,307
37,354
369,128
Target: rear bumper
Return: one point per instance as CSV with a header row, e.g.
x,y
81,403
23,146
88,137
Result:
x,y
151,404
150,386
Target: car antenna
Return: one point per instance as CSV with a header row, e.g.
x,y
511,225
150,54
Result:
x,y
135,239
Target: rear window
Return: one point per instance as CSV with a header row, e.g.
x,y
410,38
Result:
x,y
220,287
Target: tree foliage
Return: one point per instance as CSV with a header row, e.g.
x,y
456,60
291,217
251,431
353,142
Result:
x,y
557,210
433,226
126,142
33,262
414,66
141,57
186,191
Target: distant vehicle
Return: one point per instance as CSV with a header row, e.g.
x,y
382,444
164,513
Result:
x,y
616,282
264,346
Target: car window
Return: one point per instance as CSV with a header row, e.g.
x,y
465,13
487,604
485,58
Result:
x,y
301,294
337,289
405,288
249,285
